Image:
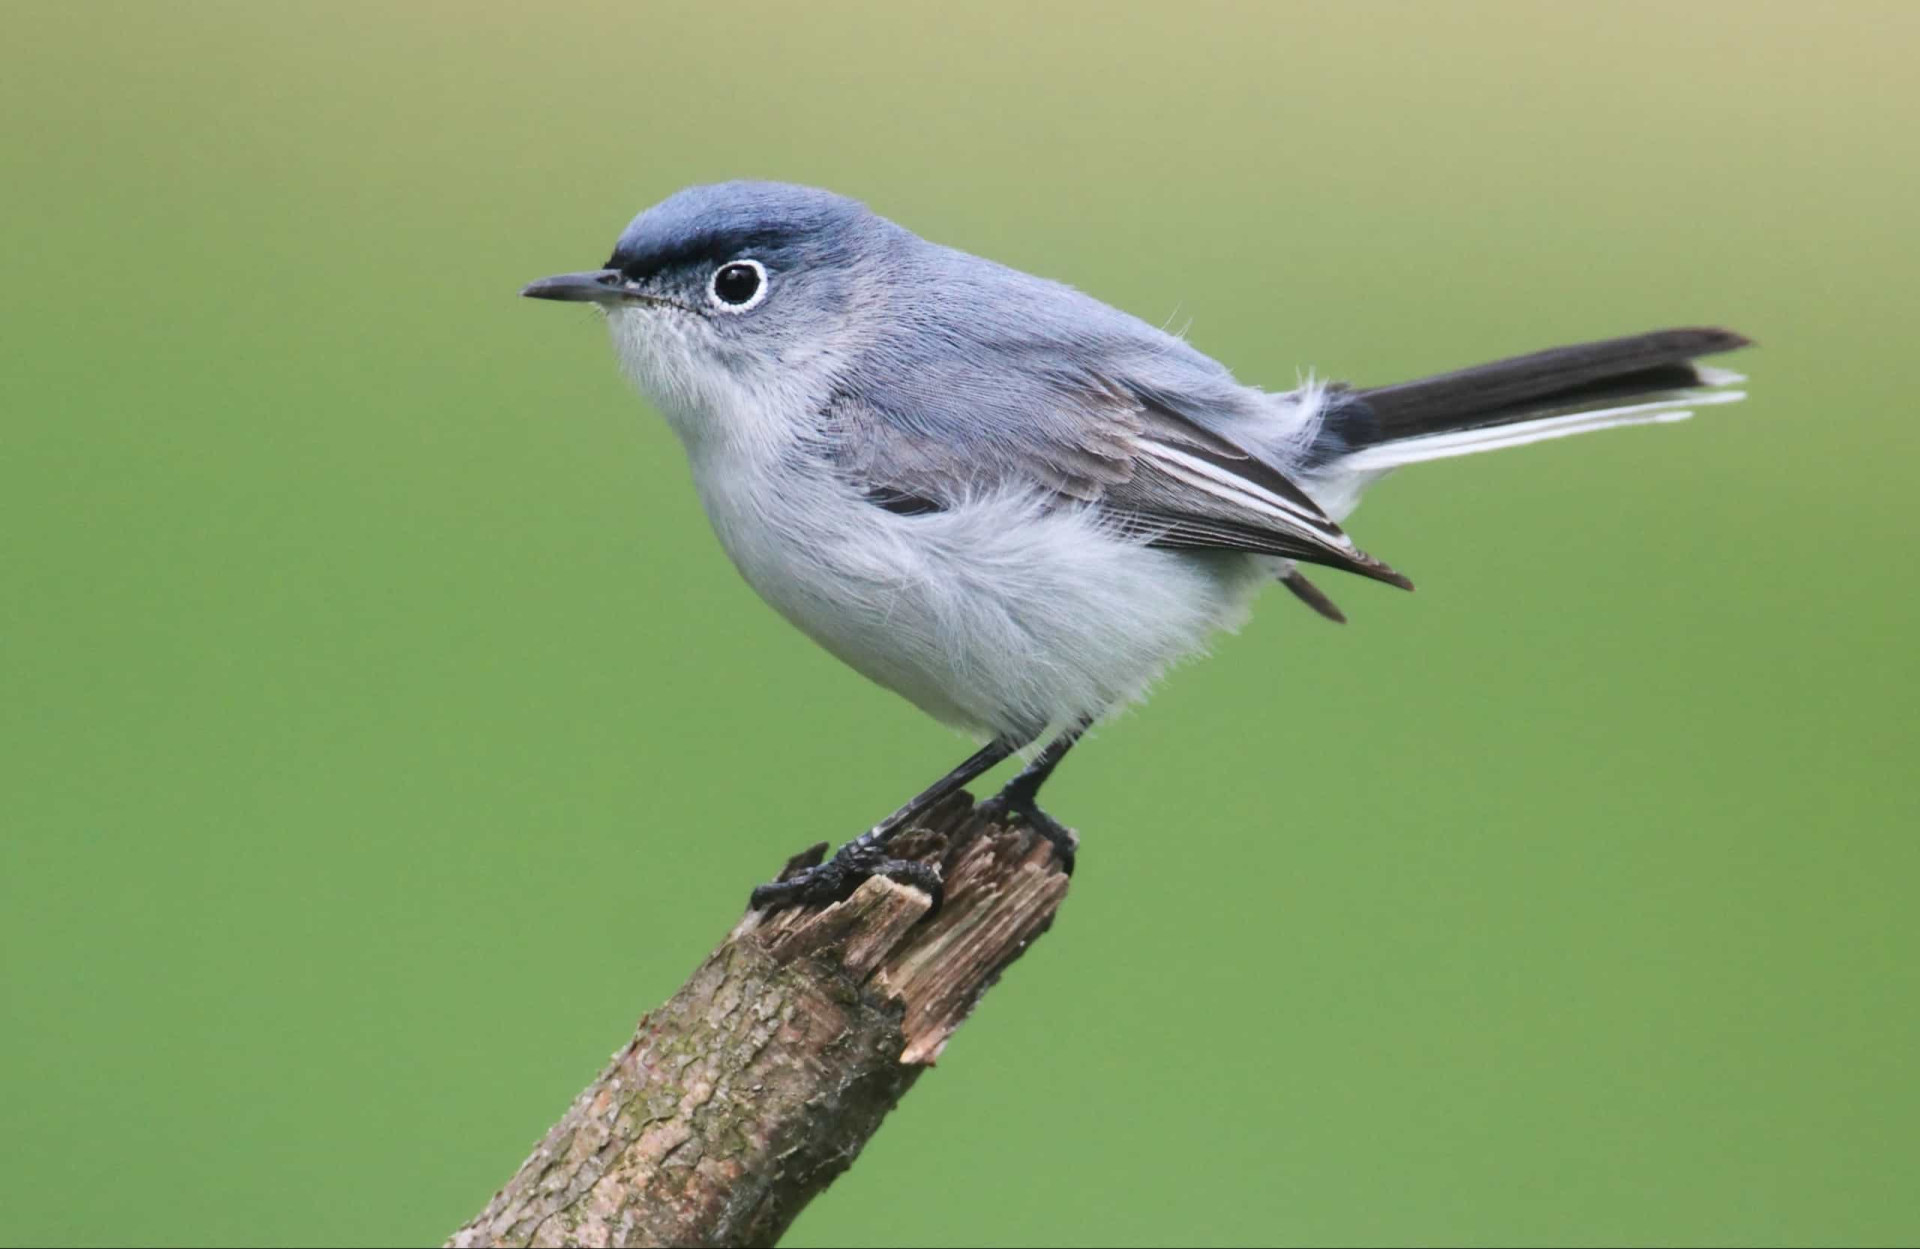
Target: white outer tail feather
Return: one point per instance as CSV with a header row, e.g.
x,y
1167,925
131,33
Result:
x,y
1422,448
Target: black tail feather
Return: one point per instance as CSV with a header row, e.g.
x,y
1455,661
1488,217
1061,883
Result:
x,y
1362,433
1525,386
1312,595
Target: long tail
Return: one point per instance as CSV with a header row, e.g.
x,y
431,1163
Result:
x,y
1640,380
1637,380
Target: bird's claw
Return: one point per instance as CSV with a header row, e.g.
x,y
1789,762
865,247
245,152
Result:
x,y
835,880
1016,812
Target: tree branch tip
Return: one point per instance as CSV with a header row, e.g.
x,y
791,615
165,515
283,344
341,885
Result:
x,y
749,1090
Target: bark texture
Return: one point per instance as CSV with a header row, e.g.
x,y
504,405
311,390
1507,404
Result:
x,y
759,1082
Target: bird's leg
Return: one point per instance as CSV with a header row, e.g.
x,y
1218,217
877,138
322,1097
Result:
x,y
1018,803
866,855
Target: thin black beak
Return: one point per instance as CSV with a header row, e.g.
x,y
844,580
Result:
x,y
598,286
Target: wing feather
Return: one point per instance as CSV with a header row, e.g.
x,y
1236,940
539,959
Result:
x,y
1159,475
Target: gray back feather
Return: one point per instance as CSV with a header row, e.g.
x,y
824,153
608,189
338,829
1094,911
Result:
x,y
948,375
988,377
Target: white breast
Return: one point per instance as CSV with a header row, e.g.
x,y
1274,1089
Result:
x,y
996,616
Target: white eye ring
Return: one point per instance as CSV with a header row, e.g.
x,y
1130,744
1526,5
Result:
x,y
730,271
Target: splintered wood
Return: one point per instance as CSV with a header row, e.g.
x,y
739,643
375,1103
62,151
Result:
x,y
761,1079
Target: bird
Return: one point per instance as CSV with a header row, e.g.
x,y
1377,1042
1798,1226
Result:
x,y
1008,501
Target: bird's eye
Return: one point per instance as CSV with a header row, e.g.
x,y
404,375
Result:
x,y
738,285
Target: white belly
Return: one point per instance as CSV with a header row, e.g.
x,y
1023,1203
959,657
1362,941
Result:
x,y
994,617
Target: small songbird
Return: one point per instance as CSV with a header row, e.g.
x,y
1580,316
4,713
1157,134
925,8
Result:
x,y
1005,500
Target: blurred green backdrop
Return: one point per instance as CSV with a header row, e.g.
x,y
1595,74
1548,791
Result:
x,y
383,731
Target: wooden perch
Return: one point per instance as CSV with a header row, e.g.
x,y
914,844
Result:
x,y
761,1079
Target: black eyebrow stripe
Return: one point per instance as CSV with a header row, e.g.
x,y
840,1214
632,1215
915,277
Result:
x,y
710,247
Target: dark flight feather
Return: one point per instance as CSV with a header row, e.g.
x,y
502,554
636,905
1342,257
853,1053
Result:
x,y
1523,387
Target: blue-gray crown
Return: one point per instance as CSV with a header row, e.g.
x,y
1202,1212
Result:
x,y
724,219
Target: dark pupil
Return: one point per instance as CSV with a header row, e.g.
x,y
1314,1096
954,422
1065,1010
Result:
x,y
735,284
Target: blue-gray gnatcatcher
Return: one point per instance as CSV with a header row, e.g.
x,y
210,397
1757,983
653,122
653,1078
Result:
x,y
1005,500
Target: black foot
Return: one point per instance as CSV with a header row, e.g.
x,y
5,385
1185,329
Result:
x,y
837,878
1018,810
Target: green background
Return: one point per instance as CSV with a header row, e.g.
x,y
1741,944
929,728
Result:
x,y
383,731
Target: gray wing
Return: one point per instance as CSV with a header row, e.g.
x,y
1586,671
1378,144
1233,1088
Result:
x,y
975,376
1089,440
